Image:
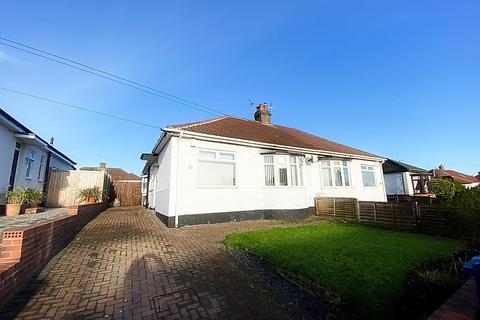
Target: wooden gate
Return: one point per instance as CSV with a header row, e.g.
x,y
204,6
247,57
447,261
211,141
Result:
x,y
128,193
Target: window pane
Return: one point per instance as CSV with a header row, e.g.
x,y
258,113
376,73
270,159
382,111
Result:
x,y
269,175
227,156
344,163
282,173
368,178
215,174
207,154
346,176
293,159
268,159
336,163
327,177
293,175
282,159
338,176
325,163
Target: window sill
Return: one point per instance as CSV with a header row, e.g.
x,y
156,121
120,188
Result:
x,y
28,178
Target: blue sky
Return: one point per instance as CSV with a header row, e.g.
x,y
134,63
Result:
x,y
399,79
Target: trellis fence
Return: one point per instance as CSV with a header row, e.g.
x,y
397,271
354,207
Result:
x,y
406,216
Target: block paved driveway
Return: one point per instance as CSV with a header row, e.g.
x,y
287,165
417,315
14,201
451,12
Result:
x,y
126,264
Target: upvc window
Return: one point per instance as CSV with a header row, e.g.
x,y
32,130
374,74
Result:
x,y
216,168
335,173
30,157
40,168
283,170
368,175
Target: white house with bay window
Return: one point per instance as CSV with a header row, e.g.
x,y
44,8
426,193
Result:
x,y
25,157
228,169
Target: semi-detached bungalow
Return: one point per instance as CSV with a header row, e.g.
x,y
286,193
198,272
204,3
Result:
x,y
228,169
25,157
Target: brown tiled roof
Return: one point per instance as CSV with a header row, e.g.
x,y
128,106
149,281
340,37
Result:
x,y
455,175
115,173
237,128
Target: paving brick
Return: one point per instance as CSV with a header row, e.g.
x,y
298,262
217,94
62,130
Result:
x,y
127,264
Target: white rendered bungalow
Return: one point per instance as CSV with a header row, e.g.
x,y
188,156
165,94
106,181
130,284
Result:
x,y
228,169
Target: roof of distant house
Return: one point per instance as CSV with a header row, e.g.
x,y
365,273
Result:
x,y
237,128
455,175
393,166
24,130
117,174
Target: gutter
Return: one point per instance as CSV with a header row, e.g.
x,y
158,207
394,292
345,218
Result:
x,y
267,145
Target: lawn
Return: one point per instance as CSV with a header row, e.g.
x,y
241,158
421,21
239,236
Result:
x,y
367,266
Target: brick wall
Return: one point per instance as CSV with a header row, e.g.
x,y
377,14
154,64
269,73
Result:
x,y
27,249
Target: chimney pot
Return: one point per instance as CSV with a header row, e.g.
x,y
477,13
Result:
x,y
263,115
51,140
441,167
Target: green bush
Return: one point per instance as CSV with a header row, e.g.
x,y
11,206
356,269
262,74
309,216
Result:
x,y
16,196
444,189
466,214
33,196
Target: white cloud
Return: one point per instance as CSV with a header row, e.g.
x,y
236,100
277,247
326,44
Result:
x,y
7,58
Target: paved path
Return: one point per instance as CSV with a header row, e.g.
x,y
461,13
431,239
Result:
x,y
126,264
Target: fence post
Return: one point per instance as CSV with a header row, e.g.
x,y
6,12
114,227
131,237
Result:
x,y
357,207
393,216
416,214
334,209
375,212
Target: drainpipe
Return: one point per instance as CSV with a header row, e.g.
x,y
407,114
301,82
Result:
x,y
176,180
47,178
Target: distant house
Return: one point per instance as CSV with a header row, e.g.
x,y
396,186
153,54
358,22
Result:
x,y
117,174
229,168
405,179
25,157
466,180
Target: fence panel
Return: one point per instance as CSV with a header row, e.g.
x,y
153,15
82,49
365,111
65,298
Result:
x,y
63,186
433,219
128,193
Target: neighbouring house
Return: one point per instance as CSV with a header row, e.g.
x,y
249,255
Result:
x,y
405,179
126,187
25,157
466,180
229,168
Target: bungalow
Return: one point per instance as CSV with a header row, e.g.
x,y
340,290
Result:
x,y
25,157
466,180
405,179
228,168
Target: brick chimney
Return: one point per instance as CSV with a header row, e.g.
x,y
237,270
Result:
x,y
263,115
441,167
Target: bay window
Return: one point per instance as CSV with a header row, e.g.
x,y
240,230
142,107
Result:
x,y
368,175
216,168
335,173
283,170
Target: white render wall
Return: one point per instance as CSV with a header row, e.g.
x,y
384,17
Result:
x,y
250,192
59,164
7,148
20,178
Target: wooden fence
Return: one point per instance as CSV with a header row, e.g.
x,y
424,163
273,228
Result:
x,y
128,193
407,216
63,186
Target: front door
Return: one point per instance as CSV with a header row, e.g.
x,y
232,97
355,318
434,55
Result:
x,y
13,171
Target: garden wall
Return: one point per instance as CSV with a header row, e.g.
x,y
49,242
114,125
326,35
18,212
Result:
x,y
407,216
27,249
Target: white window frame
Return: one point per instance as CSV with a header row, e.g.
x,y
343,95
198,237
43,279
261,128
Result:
x,y
289,164
343,164
40,168
217,159
368,168
29,159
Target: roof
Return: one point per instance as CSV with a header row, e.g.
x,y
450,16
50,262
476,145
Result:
x,y
393,166
238,128
116,173
455,175
25,130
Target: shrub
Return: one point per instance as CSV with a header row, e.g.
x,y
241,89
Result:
x,y
88,193
33,196
16,196
444,189
466,214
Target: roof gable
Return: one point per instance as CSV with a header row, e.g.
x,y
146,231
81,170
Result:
x,y
237,128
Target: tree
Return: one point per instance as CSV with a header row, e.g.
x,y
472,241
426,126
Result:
x,y
444,189
466,213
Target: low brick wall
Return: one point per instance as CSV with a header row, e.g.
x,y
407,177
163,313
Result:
x,y
27,249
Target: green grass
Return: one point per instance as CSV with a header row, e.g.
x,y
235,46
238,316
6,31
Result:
x,y
367,266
